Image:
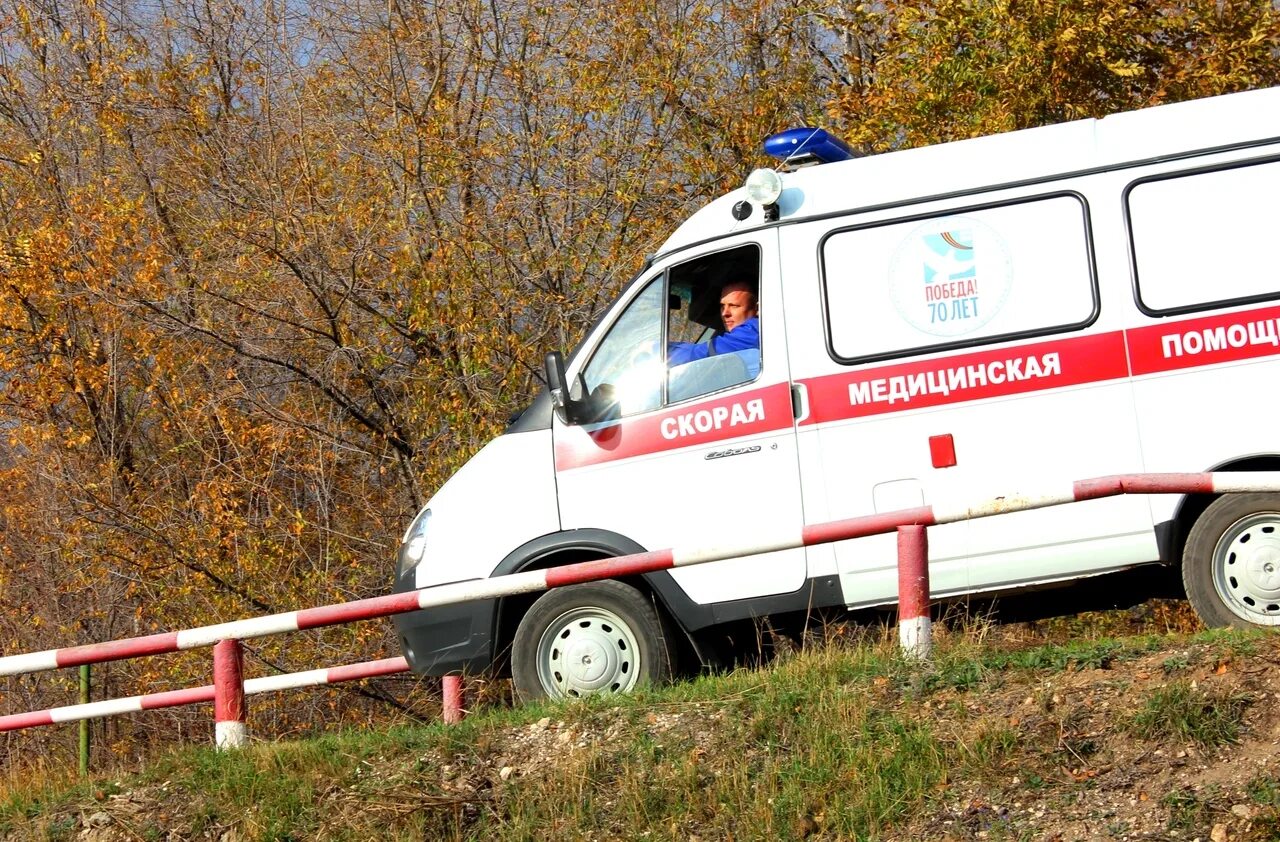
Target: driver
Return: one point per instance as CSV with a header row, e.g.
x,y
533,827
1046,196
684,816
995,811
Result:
x,y
741,332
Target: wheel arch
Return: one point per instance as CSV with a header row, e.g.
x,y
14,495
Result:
x,y
558,549
1172,535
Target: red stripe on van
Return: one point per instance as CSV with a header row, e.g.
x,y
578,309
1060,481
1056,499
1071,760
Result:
x,y
967,377
877,390
763,410
1205,341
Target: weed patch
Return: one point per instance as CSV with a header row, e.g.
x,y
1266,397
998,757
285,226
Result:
x,y
1187,810
1190,714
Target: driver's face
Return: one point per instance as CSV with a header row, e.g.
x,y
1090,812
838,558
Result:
x,y
737,304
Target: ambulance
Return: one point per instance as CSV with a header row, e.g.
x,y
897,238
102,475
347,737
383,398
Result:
x,y
950,322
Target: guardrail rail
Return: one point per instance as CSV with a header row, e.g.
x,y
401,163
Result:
x,y
229,687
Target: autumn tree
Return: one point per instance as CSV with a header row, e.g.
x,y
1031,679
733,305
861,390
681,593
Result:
x,y
910,73
270,272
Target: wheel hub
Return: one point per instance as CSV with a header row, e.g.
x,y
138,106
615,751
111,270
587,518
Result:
x,y
585,651
587,660
1247,567
1263,572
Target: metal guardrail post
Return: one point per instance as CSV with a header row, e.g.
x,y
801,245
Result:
x,y
915,629
85,693
452,712
230,730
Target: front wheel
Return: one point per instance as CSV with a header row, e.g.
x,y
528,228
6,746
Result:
x,y
1231,563
598,637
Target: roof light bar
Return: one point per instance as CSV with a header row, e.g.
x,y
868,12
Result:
x,y
807,145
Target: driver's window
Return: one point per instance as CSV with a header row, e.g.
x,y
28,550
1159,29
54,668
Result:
x,y
704,313
713,328
625,373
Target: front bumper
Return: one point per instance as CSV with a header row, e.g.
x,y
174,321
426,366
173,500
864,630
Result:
x,y
448,639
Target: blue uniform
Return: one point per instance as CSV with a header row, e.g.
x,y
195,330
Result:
x,y
744,337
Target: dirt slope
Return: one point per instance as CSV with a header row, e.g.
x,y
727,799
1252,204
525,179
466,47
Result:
x,y
1068,764
1095,780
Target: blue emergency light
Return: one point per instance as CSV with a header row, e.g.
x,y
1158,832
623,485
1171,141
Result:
x,y
807,145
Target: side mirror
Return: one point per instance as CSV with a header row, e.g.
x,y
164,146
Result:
x,y
600,405
556,385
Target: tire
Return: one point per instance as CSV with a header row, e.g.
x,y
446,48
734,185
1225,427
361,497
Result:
x,y
579,640
1231,562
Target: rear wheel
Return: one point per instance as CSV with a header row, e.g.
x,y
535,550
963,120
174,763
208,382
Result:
x,y
598,637
1231,563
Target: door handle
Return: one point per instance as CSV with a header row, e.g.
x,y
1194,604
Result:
x,y
799,402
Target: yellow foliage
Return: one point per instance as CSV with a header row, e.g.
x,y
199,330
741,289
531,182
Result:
x,y
261,293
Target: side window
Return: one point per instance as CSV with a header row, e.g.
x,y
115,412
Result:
x,y
963,278
1205,238
691,331
713,325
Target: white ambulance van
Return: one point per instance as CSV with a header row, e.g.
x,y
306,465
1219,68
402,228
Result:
x,y
952,322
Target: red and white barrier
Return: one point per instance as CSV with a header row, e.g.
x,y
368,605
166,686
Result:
x,y
539,580
198,695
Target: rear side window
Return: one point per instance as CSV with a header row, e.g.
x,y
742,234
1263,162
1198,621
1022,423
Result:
x,y
1206,238
963,278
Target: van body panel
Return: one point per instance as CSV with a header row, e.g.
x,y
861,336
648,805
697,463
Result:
x,y
689,496
502,497
504,493
1207,399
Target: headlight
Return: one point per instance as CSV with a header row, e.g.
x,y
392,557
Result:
x,y
413,546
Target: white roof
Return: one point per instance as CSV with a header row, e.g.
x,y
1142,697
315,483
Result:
x,y
895,177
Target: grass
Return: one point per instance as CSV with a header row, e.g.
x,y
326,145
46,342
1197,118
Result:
x,y
848,741
1190,715
802,745
38,791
